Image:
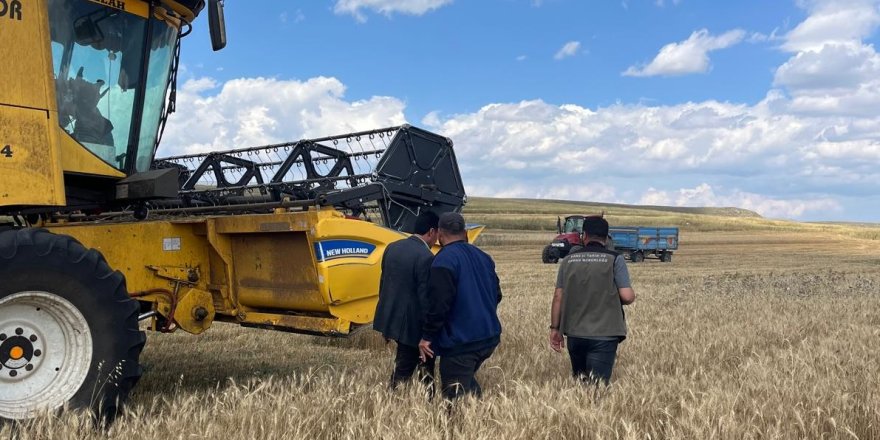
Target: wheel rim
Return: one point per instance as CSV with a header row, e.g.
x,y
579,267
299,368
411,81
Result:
x,y
45,353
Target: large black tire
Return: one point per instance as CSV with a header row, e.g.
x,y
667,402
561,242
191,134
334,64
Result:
x,y
666,257
549,256
637,257
43,275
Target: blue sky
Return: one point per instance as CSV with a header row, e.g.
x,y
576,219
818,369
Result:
x,y
764,105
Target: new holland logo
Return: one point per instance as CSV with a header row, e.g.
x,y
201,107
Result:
x,y
333,249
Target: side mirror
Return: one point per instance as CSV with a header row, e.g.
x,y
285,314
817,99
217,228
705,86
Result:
x,y
217,23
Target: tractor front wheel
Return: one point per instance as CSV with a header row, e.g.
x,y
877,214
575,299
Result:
x,y
68,330
549,255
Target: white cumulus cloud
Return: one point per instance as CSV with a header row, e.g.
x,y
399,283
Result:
x,y
831,22
258,111
688,56
387,7
832,70
568,49
752,156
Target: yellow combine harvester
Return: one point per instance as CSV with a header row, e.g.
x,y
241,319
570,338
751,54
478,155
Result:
x,y
103,235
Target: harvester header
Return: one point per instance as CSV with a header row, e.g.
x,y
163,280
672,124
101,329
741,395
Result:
x,y
396,172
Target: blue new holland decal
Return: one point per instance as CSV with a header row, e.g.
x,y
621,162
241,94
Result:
x,y
332,249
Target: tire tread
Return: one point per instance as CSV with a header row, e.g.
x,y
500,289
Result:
x,y
109,282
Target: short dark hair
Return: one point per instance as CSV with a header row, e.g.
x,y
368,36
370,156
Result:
x,y
453,223
596,227
426,221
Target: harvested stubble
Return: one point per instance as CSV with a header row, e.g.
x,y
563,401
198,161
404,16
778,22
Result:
x,y
744,335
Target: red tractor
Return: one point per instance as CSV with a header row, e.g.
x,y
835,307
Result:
x,y
569,238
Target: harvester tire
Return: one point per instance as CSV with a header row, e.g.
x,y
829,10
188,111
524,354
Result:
x,y
548,257
68,329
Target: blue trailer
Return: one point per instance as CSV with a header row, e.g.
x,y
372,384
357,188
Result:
x,y
638,242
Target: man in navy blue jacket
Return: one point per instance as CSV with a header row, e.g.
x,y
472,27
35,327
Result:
x,y
462,325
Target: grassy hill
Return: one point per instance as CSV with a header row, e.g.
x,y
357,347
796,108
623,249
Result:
x,y
495,205
540,215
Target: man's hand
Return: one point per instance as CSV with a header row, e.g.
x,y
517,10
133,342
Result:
x,y
557,342
425,351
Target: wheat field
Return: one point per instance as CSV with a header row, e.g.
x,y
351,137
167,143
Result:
x,y
755,332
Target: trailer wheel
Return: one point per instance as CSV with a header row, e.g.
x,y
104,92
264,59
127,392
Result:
x,y
68,329
637,257
548,256
666,257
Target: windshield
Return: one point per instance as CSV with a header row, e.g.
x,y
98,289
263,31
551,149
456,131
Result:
x,y
573,224
98,55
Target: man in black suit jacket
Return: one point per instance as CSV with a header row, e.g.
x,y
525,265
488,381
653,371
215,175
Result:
x,y
403,299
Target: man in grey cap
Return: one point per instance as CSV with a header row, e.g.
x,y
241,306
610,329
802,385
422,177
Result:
x,y
592,287
462,325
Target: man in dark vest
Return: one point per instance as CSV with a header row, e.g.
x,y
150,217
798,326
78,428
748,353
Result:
x,y
462,325
403,299
592,287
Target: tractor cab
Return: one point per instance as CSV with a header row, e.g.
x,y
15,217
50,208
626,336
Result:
x,y
569,235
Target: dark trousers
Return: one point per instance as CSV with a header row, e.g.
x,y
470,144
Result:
x,y
407,362
457,373
592,359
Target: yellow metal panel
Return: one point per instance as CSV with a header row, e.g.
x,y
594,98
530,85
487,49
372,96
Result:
x,y
262,223
135,7
352,283
304,324
276,271
76,158
29,169
30,172
180,9
24,51
220,268
473,232
133,247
